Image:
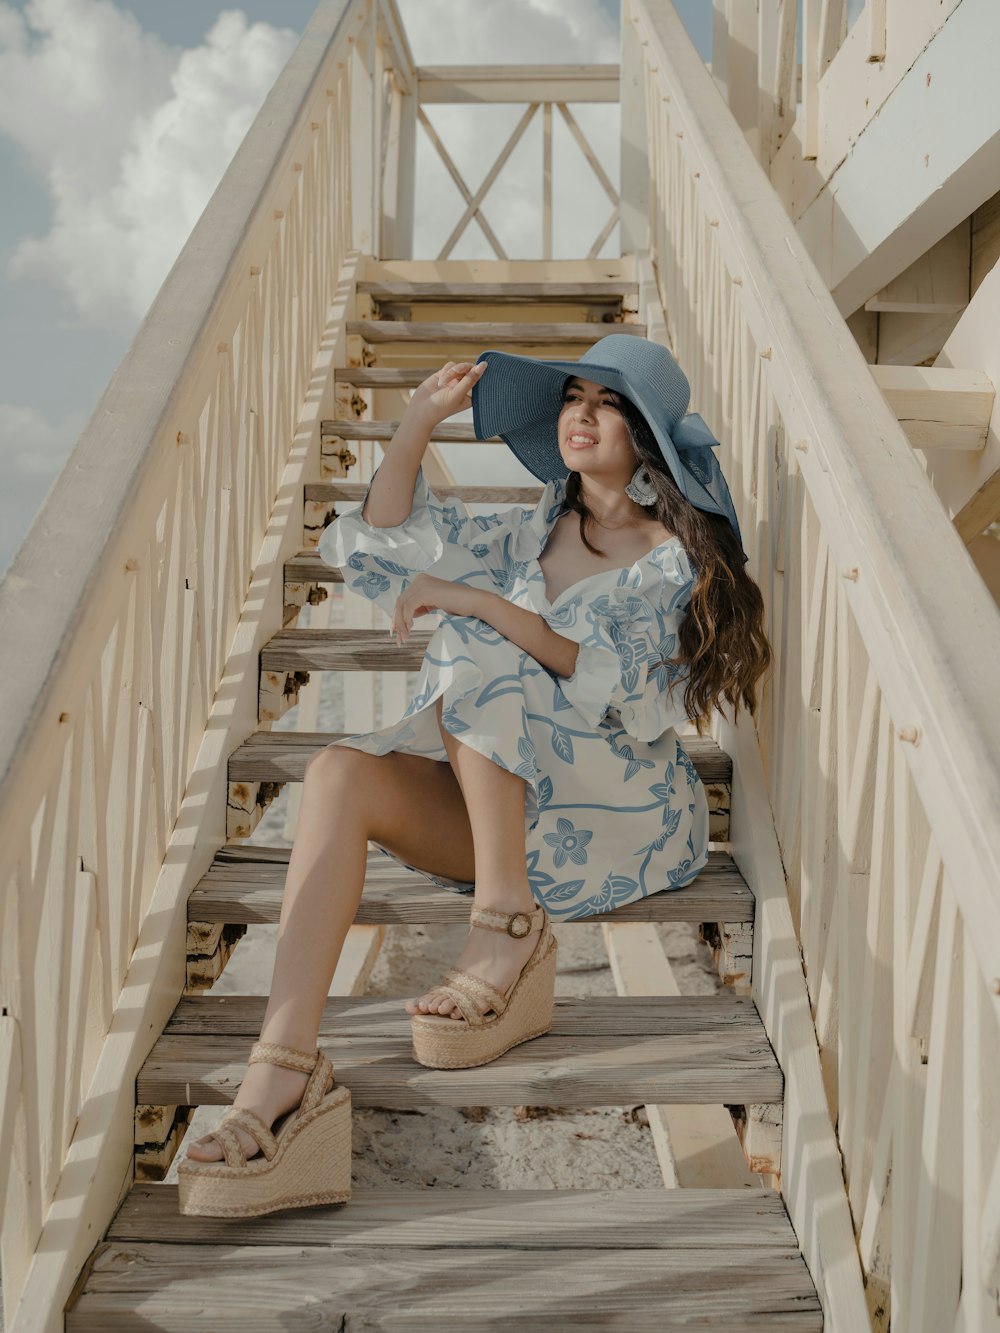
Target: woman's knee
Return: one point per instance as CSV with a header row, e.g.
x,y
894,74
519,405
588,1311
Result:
x,y
340,768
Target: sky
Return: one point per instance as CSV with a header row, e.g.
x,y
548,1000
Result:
x,y
117,121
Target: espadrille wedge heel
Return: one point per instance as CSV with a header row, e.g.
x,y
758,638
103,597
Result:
x,y
525,1011
307,1161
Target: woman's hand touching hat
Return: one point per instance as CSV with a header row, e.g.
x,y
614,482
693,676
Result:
x,y
447,391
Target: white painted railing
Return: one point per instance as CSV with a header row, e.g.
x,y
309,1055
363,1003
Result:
x,y
544,87
853,57
879,737
132,617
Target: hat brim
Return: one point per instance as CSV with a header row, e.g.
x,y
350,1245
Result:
x,y
519,399
522,402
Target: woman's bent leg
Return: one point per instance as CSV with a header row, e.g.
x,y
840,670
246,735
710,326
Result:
x,y
411,805
494,798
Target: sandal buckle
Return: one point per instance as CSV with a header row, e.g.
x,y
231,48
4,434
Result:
x,y
519,934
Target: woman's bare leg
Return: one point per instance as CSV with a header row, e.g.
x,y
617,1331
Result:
x,y
410,804
494,798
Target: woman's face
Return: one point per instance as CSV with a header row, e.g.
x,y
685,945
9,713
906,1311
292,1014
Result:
x,y
593,437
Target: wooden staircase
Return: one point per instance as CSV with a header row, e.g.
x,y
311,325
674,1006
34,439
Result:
x,y
455,1259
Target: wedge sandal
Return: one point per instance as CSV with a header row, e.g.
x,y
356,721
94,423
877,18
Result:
x,y
308,1160
525,1011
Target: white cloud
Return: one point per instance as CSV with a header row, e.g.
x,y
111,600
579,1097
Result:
x,y
443,32
32,453
32,446
132,136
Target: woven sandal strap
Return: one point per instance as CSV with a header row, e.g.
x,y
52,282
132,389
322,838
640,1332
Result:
x,y
467,1007
509,923
254,1126
320,1083
270,1053
230,1144
476,988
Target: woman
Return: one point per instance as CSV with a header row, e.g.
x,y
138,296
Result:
x,y
537,766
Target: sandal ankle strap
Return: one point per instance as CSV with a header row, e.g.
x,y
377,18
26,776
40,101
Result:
x,y
518,925
270,1053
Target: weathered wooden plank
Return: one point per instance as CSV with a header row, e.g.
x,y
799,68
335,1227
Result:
x,y
251,891
936,283
695,1144
399,330
518,83
408,377
280,756
590,292
352,492
182,1287
448,432
939,407
749,1218
355,1017
384,377
707,1049
342,650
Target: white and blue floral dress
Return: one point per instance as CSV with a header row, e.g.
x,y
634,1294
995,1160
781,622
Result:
x,y
614,809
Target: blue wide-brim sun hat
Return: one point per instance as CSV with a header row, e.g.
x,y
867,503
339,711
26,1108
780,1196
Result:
x,y
519,398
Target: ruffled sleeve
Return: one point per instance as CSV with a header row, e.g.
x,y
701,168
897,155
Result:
x,y
437,535
624,662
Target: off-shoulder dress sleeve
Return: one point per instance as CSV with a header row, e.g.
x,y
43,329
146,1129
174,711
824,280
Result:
x,y
624,659
438,535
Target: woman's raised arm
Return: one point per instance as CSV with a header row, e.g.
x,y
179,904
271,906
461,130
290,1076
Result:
x,y
441,395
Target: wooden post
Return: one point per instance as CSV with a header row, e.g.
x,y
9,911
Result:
x,y
362,148
742,69
720,46
634,168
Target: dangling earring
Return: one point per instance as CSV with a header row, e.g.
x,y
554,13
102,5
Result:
x,y
641,488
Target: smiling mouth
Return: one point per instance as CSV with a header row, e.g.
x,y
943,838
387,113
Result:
x,y
577,441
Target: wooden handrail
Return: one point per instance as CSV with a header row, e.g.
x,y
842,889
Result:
x,y
124,612
866,800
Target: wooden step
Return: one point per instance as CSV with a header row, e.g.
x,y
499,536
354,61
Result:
x,y
456,1259
610,1219
244,885
601,1051
342,650
261,765
348,492
281,756
460,432
484,334
384,377
392,377
594,293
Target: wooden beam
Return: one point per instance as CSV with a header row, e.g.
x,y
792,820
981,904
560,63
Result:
x,y
985,242
935,284
939,407
911,340
695,1145
980,511
776,87
741,69
473,206
457,177
517,83
922,165
10,1092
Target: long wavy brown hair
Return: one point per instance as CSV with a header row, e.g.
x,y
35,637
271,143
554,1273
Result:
x,y
722,641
